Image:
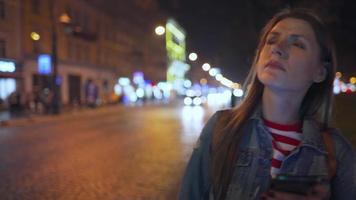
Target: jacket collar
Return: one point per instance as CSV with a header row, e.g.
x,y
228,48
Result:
x,y
311,131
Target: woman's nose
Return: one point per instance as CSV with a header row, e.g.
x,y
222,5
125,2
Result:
x,y
280,50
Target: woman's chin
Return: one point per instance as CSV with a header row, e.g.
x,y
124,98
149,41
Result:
x,y
269,79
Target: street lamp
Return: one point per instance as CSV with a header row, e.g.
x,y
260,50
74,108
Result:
x,y
219,77
160,30
35,36
206,66
213,71
193,56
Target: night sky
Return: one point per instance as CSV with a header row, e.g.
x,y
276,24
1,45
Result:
x,y
225,33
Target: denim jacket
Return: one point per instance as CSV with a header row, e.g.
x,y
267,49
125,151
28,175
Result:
x,y
251,175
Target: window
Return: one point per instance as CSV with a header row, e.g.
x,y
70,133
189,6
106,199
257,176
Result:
x,y
2,9
36,7
70,51
36,47
2,48
78,53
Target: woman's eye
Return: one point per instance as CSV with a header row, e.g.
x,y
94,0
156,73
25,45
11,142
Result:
x,y
299,45
270,41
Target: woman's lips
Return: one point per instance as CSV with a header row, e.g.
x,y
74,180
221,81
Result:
x,y
275,65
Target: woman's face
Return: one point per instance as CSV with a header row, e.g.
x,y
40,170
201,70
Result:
x,y
290,57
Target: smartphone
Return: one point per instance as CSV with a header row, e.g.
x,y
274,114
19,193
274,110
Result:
x,y
296,184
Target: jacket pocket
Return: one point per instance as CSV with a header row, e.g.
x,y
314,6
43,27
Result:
x,y
244,159
242,167
240,182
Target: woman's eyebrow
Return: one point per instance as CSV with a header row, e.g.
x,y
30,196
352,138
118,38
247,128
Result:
x,y
294,36
274,33
298,36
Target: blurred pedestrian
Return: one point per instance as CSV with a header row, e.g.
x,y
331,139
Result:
x,y
34,101
91,93
46,100
282,125
15,104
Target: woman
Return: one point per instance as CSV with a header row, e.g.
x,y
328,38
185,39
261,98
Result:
x,y
281,126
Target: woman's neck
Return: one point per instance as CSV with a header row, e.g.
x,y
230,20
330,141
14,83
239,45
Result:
x,y
281,107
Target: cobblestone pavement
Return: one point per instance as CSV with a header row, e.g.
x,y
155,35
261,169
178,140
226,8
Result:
x,y
108,153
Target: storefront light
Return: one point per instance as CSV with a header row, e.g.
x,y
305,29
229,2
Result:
x,y
7,66
140,93
124,81
118,89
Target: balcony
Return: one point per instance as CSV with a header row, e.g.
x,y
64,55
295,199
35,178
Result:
x,y
76,30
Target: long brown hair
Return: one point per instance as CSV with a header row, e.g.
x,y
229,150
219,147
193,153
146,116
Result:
x,y
316,103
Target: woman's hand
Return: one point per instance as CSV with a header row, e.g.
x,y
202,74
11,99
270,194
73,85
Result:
x,y
318,192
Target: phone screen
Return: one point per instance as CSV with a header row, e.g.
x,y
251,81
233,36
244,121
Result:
x,y
296,184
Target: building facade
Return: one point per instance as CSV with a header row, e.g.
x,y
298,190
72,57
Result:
x,y
93,47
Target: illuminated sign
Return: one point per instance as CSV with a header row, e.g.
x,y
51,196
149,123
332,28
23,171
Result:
x,y
176,50
7,66
175,41
44,64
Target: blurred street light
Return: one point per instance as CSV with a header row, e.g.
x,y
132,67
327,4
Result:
x,y
35,36
338,74
219,77
203,81
193,56
238,92
206,67
64,18
228,83
353,80
187,83
160,30
213,71
236,86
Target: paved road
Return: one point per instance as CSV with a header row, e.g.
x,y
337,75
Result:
x,y
109,153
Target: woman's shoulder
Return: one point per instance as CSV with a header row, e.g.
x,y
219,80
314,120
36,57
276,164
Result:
x,y
208,129
342,144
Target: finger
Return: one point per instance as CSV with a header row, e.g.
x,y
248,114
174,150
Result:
x,y
318,192
287,196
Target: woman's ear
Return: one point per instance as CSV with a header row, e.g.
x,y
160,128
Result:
x,y
321,73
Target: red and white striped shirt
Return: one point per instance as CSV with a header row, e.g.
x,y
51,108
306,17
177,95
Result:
x,y
285,139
